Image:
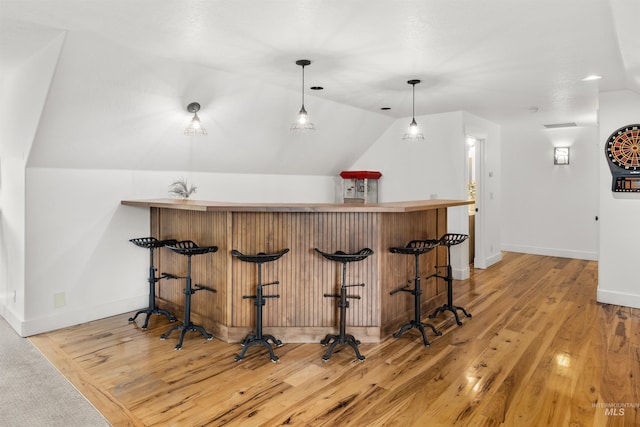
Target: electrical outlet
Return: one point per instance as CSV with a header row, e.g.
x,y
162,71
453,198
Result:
x,y
59,300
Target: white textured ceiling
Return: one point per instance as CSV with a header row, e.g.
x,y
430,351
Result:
x,y
499,59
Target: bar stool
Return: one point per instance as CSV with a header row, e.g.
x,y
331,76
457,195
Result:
x,y
189,249
343,304
152,243
415,248
260,300
448,240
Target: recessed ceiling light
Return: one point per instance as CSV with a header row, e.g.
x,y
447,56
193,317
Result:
x,y
316,88
385,108
591,78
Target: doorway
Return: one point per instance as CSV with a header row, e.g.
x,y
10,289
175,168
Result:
x,y
471,194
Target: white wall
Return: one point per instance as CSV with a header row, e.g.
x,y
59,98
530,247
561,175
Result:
x,y
550,209
24,91
618,269
419,170
78,232
436,168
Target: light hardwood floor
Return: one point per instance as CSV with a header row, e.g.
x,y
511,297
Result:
x,y
538,351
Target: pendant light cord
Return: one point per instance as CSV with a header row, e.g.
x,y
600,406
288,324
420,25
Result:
x,y
413,108
303,85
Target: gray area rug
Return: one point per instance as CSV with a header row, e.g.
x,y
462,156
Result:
x,y
34,393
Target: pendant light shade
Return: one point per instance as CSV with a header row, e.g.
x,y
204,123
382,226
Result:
x,y
302,122
413,134
195,127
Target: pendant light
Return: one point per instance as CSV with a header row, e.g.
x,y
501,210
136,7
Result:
x,y
302,122
195,127
414,132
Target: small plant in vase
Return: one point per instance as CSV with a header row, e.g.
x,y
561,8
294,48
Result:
x,y
180,189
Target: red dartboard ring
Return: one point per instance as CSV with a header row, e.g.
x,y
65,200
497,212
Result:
x,y
623,147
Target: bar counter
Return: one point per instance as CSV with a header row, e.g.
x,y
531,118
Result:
x,y
301,314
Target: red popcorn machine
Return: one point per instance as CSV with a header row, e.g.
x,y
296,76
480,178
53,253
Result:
x,y
360,186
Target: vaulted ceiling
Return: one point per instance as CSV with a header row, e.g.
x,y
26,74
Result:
x,y
502,60
496,59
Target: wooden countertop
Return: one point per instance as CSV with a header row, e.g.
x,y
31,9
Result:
x,y
212,206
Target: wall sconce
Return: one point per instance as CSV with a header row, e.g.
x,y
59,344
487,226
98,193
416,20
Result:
x,y
195,127
561,156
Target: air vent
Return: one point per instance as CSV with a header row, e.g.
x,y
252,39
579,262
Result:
x,y
560,125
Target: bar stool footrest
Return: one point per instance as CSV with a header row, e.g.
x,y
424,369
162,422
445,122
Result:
x,y
204,288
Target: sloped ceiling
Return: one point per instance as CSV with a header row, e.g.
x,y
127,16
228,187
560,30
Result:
x,y
500,60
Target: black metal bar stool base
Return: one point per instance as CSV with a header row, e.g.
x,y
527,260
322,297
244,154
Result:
x,y
451,308
415,248
149,312
258,338
251,340
449,240
419,326
189,249
346,339
152,243
183,330
343,338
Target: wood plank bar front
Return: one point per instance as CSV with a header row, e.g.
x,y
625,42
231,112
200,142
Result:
x,y
301,314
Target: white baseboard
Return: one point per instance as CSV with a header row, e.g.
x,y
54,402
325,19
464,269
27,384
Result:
x,y
562,253
83,315
13,320
488,262
460,273
617,298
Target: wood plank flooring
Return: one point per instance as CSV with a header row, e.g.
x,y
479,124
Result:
x,y
538,351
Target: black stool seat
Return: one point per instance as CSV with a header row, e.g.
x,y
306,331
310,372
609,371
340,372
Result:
x,y
152,243
343,304
452,239
415,248
258,258
448,240
340,256
259,338
189,249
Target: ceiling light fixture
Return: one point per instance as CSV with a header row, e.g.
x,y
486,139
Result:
x,y
414,132
302,122
195,127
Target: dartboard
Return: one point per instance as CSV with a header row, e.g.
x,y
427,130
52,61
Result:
x,y
623,147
